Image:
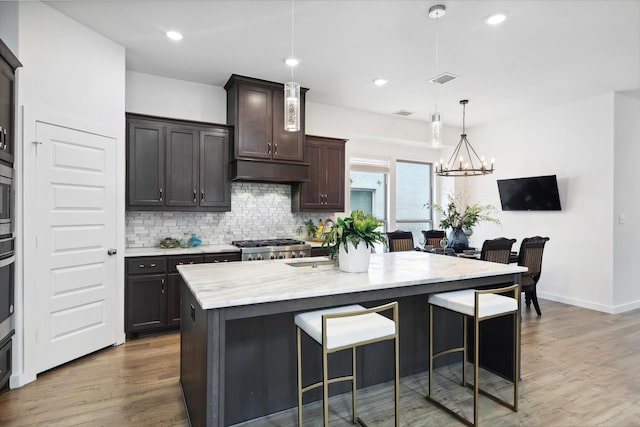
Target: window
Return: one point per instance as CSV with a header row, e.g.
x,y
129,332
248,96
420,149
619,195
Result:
x,y
369,194
413,194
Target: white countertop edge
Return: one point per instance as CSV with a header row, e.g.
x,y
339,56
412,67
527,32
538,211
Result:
x,y
210,295
202,249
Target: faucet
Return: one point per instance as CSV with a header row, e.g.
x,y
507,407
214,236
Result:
x,y
326,222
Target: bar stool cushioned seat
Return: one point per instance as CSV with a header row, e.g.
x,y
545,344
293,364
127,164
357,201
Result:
x,y
341,328
479,305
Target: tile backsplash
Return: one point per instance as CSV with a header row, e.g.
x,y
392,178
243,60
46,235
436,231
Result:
x,y
258,211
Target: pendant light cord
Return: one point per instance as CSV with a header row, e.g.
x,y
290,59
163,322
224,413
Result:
x,y
437,54
292,32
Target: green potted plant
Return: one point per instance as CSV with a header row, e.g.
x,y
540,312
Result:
x,y
352,238
462,221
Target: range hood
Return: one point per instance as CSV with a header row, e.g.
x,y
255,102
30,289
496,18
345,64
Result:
x,y
256,170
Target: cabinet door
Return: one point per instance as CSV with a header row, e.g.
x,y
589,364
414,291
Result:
x,y
174,281
145,163
146,302
286,145
6,111
311,196
255,122
215,188
333,170
182,167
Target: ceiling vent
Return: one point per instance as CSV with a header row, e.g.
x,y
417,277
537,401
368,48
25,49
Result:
x,y
444,78
404,113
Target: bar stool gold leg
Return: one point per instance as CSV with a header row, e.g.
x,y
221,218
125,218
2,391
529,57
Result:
x,y
353,384
397,385
476,360
325,387
299,353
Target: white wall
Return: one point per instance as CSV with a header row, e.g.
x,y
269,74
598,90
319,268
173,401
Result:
x,y
575,142
9,24
178,99
76,74
626,201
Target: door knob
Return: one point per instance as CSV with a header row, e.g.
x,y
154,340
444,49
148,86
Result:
x,y
112,251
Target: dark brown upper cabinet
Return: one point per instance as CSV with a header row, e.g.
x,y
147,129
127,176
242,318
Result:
x,y
8,65
263,149
177,166
324,192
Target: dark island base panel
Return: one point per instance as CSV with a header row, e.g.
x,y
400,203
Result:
x,y
260,370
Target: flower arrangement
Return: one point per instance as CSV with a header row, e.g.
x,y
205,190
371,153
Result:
x,y
451,216
357,227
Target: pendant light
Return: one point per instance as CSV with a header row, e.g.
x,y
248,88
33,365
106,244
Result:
x,y
436,12
464,161
292,89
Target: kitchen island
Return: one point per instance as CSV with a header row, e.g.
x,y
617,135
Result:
x,y
238,336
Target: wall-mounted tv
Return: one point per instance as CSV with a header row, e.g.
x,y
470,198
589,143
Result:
x,y
537,193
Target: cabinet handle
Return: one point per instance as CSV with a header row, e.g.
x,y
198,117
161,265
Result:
x,y
216,260
161,194
162,281
202,196
180,263
275,148
153,265
4,139
269,148
195,198
141,266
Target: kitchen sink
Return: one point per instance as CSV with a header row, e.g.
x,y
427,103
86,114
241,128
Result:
x,y
312,264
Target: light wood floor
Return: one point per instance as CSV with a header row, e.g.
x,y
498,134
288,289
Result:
x,y
579,368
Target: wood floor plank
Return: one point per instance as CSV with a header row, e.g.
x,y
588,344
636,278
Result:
x,y
579,367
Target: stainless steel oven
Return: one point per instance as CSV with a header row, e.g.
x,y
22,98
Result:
x,y
6,200
7,272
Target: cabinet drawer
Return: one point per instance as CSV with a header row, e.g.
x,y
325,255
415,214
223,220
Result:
x,y
315,251
5,365
146,265
174,261
223,257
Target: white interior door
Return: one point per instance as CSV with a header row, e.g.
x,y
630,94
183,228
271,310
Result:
x,y
76,218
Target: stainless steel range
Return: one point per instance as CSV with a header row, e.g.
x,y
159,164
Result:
x,y
256,250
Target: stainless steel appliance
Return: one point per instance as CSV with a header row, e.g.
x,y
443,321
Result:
x,y
6,200
256,250
7,271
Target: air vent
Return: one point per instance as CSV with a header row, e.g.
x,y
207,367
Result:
x,y
404,113
444,78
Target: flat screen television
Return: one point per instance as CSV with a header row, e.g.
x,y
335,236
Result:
x,y
537,193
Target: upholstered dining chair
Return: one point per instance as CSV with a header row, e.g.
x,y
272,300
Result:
x,y
400,241
433,237
497,250
530,256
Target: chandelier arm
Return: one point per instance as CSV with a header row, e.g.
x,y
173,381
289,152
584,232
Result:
x,y
451,162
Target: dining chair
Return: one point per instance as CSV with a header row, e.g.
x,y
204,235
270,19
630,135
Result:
x,y
400,241
497,250
530,256
433,237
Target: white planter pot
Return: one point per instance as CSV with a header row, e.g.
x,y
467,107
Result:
x,y
355,260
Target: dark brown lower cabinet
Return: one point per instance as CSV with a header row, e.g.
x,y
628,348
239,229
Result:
x,y
152,301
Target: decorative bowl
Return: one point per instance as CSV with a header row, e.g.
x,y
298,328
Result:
x,y
469,252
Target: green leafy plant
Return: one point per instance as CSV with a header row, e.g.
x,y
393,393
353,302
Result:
x,y
357,227
452,216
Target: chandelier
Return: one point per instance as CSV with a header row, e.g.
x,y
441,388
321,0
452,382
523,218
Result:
x,y
464,161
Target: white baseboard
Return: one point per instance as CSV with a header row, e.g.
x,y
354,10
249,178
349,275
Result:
x,y
591,305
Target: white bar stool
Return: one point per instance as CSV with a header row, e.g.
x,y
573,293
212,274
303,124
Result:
x,y
480,305
342,328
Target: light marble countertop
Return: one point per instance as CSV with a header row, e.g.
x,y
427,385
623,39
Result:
x,y
203,249
243,283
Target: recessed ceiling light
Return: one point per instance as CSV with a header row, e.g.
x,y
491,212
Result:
x,y
174,35
496,19
291,62
380,82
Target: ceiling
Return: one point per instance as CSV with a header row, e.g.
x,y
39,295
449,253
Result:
x,y
545,53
